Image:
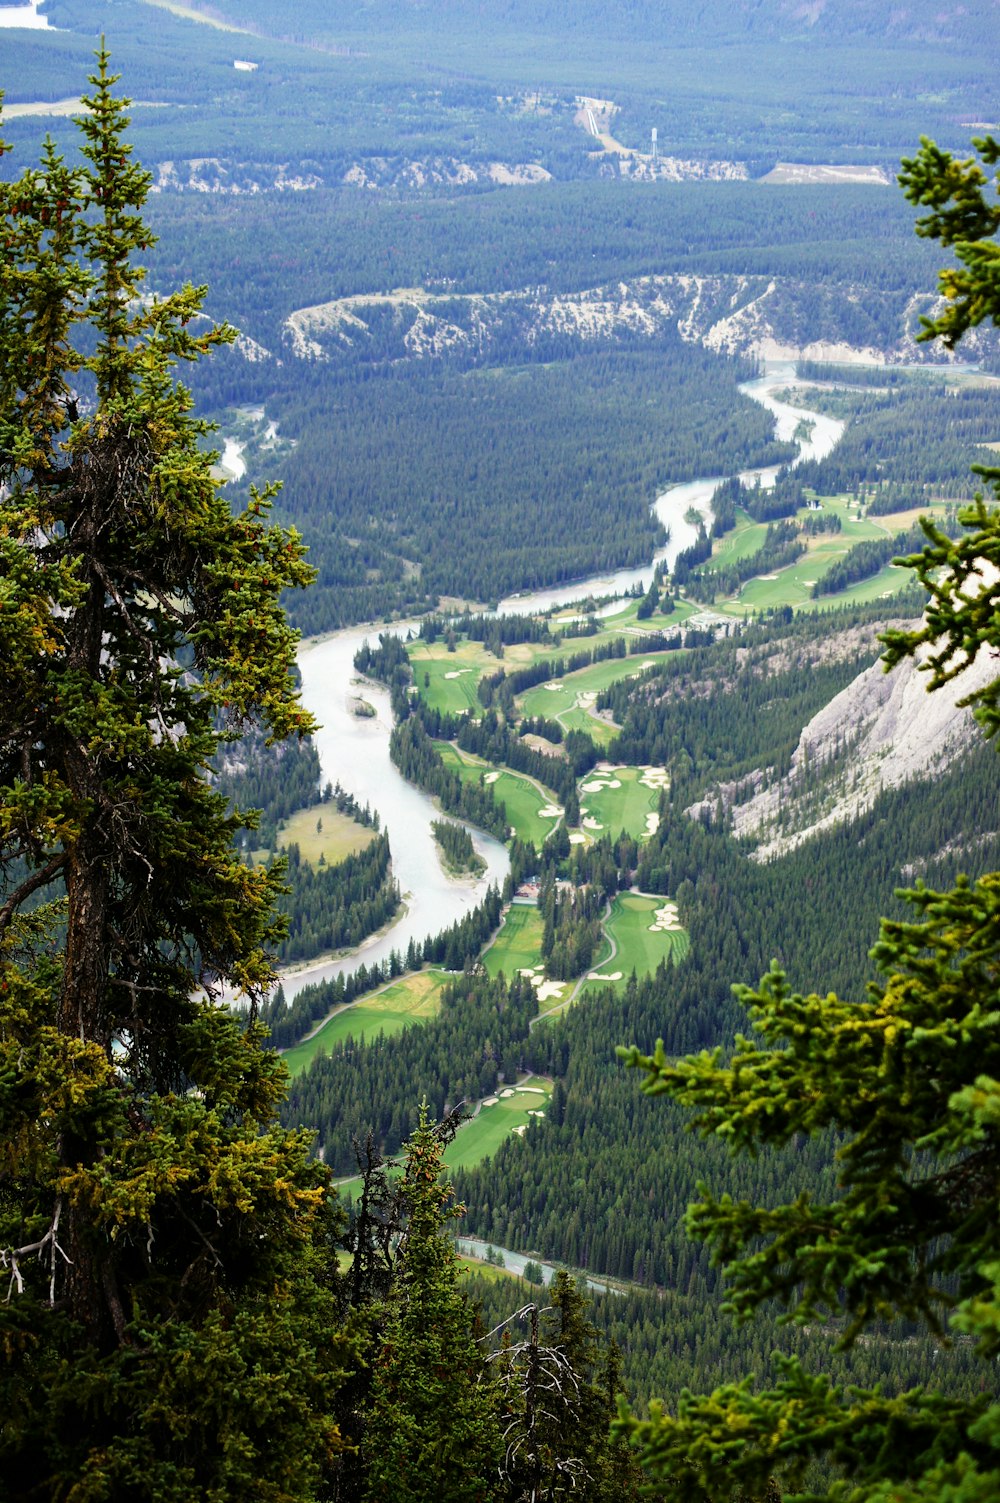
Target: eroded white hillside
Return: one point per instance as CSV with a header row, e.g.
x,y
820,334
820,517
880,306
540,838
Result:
x,y
732,314
883,730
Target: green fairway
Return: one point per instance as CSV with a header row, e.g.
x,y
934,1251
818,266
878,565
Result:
x,y
793,585
637,946
322,831
523,799
407,1001
881,586
621,798
447,681
508,1112
746,538
570,700
518,945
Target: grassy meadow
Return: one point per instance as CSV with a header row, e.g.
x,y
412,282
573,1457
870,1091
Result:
x,y
322,831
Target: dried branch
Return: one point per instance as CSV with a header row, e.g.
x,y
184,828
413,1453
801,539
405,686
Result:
x,y
12,1257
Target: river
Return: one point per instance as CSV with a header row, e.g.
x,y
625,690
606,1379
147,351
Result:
x,y
355,750
24,17
474,1247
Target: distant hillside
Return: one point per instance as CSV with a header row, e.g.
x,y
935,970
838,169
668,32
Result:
x,y
677,22
768,317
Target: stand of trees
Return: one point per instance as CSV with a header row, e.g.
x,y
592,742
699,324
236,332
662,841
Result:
x,y
335,907
456,845
168,1249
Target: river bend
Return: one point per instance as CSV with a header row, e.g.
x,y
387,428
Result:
x,y
354,750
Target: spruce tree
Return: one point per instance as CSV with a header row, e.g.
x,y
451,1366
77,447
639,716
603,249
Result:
x,y
432,1433
169,1329
907,1077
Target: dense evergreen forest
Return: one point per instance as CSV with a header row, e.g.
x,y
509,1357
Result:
x,y
336,907
834,84
178,1324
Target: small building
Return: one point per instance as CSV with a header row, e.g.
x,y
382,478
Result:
x,y
243,66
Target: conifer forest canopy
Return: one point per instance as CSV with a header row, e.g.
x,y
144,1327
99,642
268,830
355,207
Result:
x,y
448,317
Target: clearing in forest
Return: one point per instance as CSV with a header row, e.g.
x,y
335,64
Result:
x,y
322,830
412,999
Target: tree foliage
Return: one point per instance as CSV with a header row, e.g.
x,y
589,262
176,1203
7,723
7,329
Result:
x,y
908,1078
432,1432
168,1248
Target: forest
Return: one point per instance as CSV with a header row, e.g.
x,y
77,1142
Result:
x,y
193,1310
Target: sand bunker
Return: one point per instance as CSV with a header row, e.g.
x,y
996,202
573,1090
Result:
x,y
592,824
509,1091
490,1100
604,975
548,991
553,688
666,918
519,1130
652,823
592,787
578,839
531,1090
654,777
490,777
457,672
585,700
550,811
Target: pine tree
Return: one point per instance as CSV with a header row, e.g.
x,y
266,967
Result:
x,y
432,1434
908,1078
170,1306
558,1408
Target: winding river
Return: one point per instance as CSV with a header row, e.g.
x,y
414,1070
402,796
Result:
x,y
355,750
